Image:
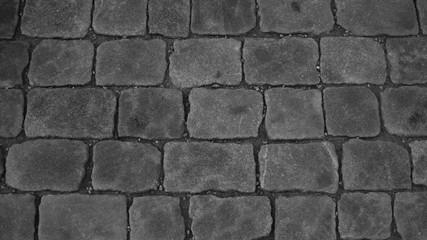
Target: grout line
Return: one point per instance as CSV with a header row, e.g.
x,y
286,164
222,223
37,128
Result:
x,y
162,168
21,7
147,18
393,227
185,213
129,202
273,217
37,201
190,32
417,12
86,183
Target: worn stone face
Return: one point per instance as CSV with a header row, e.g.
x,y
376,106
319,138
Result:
x,y
200,166
230,218
197,62
351,111
51,18
410,212
131,62
422,10
17,215
8,17
11,112
375,165
294,113
76,217
14,58
305,218
305,167
151,113
169,18
73,113
224,113
352,60
156,218
419,160
288,61
61,63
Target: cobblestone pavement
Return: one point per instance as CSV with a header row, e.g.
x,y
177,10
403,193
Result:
x,y
213,119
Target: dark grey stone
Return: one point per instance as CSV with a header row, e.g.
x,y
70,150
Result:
x,y
419,160
410,212
169,18
14,58
11,112
17,214
8,18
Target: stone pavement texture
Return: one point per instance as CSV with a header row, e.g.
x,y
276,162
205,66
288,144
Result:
x,y
213,119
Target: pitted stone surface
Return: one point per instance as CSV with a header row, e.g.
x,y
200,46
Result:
x,y
56,63
131,62
419,160
375,165
14,58
305,218
288,61
352,60
72,113
169,18
8,17
151,113
410,212
11,112
236,218
76,217
197,62
156,218
224,113
17,214
200,166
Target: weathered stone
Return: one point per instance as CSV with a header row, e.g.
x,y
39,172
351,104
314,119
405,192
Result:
x,y
224,113
51,18
8,17
419,160
375,165
410,212
230,218
422,10
294,113
197,62
73,113
17,214
169,18
305,218
222,16
77,216
14,58
151,113
352,60
61,63
200,166
289,61
291,16
11,112
131,62
305,167
125,166
156,218
46,165
351,111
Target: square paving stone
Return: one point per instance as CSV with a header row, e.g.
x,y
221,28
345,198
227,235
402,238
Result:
x,y
17,214
76,217
352,60
224,113
72,113
222,16
364,215
197,62
410,212
375,17
375,165
151,113
305,167
156,218
201,166
288,61
52,18
291,16
234,218
131,62
8,17
14,57
351,111
57,165
422,9
125,166
169,18
120,17
11,112
294,113
419,160
305,218
56,63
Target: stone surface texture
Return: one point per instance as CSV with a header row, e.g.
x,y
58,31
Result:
x,y
17,214
419,161
14,58
8,18
410,212
11,112
169,18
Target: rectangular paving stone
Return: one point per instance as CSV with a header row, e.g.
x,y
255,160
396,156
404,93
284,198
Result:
x,y
422,10
76,217
57,165
151,113
14,57
410,213
201,166
8,18
58,63
11,112
217,218
288,61
224,113
304,167
352,60
197,62
375,165
17,214
294,113
169,18
131,62
72,113
419,161
156,218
